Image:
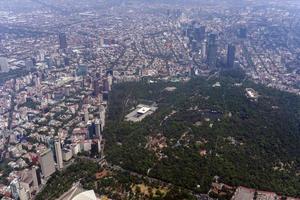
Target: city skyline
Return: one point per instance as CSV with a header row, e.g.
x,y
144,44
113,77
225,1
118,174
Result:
x,y
137,92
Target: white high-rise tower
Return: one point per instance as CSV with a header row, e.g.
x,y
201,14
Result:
x,y
3,64
58,153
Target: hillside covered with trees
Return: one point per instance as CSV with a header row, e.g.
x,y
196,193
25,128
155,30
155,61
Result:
x,y
207,128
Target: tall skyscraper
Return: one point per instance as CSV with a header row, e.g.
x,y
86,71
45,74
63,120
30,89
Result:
x,y
110,81
212,51
15,188
58,153
86,114
105,84
102,112
199,33
203,50
99,145
230,55
35,177
92,130
47,163
3,64
96,87
101,41
194,46
29,64
98,129
62,41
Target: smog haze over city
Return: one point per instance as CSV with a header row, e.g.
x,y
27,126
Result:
x,y
149,99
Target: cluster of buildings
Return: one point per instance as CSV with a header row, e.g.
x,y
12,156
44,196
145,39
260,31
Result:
x,y
50,115
58,69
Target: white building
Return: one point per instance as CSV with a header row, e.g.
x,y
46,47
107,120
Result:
x,y
67,154
3,64
47,163
87,195
58,153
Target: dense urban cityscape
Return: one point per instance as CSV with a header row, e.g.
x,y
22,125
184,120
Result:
x,y
60,62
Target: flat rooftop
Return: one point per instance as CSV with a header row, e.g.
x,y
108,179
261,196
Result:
x,y
140,112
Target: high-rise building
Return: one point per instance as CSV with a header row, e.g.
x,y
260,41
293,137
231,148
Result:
x,y
110,81
86,114
199,33
203,50
91,130
3,64
212,51
105,84
96,87
230,55
15,188
58,153
29,64
98,129
99,145
194,46
62,41
101,41
52,147
102,112
47,163
35,173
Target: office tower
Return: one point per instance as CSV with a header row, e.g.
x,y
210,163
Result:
x,y
58,153
94,149
105,84
98,128
230,55
110,81
86,114
35,177
52,147
194,46
189,32
92,130
62,41
101,42
96,87
41,55
99,146
203,50
102,116
199,33
29,64
47,163
37,81
212,51
3,64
